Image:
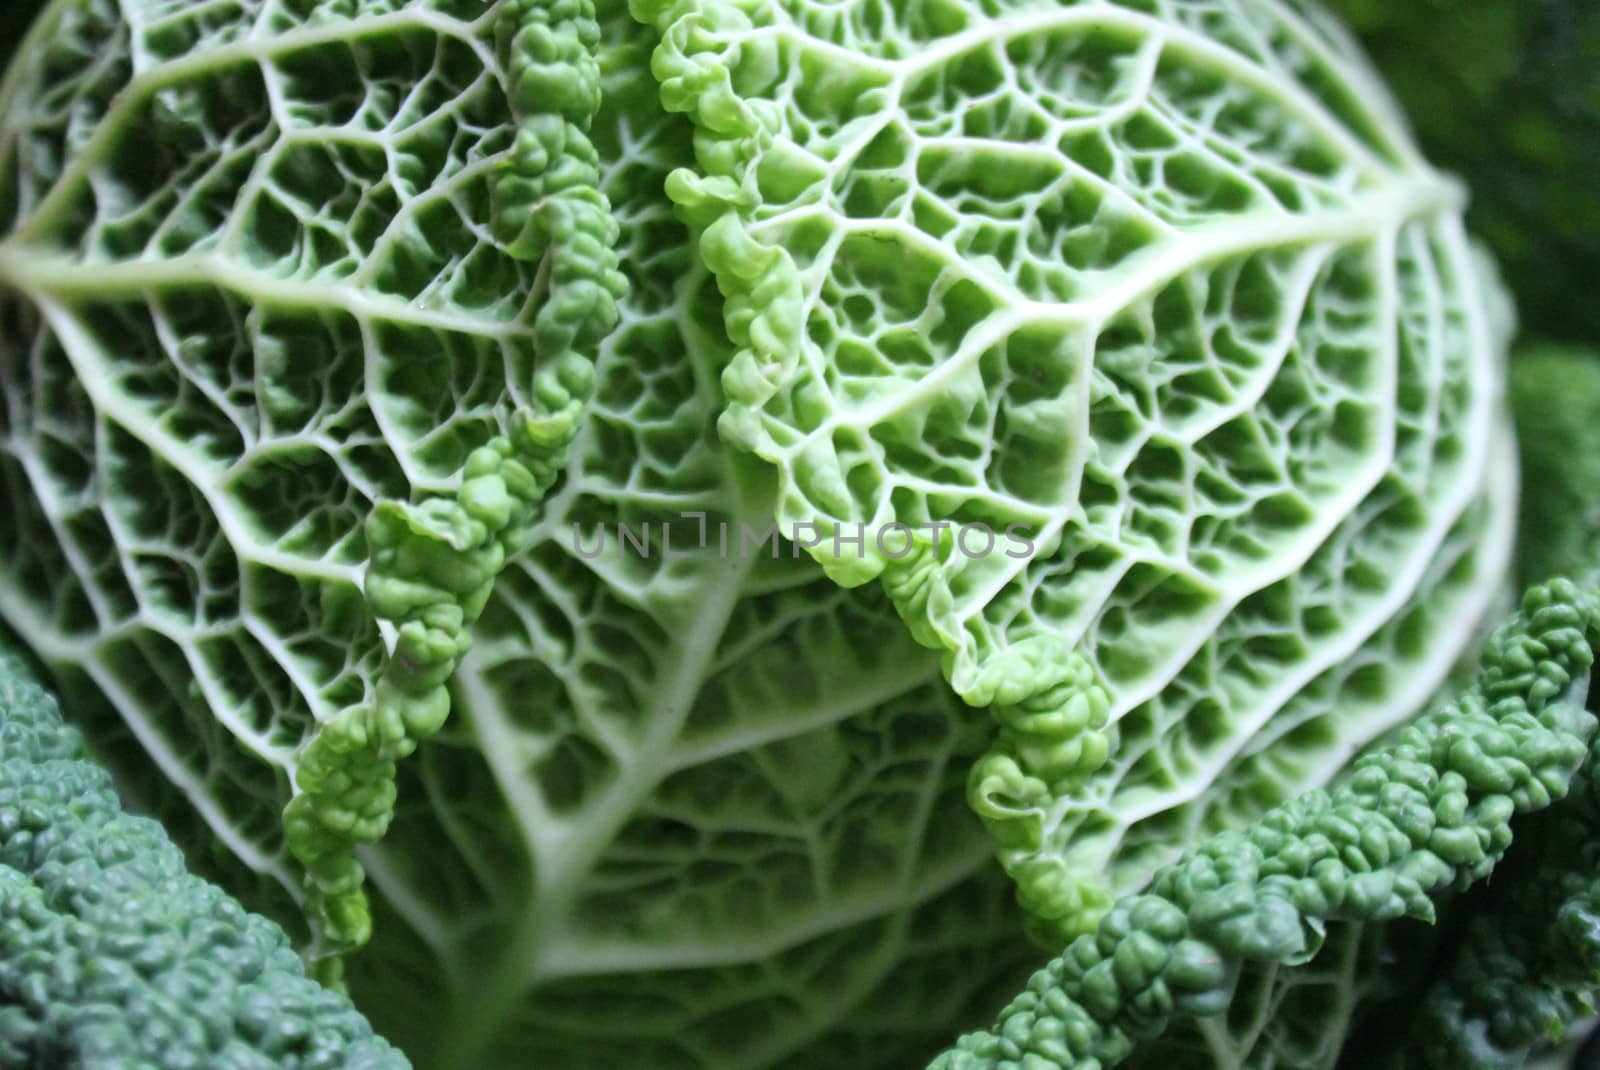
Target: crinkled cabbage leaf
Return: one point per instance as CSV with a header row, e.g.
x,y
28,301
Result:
x,y
1160,283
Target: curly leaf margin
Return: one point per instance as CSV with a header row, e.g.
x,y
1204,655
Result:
x,y
1427,812
433,563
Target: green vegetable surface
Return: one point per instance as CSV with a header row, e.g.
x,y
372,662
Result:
x,y
1502,973
1164,286
1429,811
433,564
1494,982
455,458
1526,965
703,809
112,955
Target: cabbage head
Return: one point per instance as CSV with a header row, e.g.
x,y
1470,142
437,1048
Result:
x,y
779,307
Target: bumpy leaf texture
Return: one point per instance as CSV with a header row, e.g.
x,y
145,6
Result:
x,y
1160,284
1363,1002
112,955
698,811
1427,812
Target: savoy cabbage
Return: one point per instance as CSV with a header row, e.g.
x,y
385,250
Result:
x,y
1163,285
342,342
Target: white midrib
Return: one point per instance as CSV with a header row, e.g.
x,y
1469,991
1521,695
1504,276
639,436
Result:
x,y
47,276
567,855
904,676
541,950
43,270
577,959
